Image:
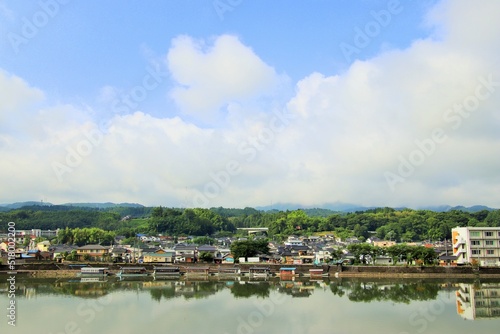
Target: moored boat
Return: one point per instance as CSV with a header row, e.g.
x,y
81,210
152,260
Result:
x,y
93,272
166,271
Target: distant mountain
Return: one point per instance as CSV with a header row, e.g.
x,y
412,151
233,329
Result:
x,y
446,208
335,207
438,208
347,207
313,210
474,208
17,205
107,205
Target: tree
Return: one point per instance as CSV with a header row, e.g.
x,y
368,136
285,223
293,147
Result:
x,y
206,256
26,242
362,252
203,241
72,256
249,248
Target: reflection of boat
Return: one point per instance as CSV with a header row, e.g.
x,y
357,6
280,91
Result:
x,y
166,272
229,271
132,272
316,272
93,279
287,271
93,272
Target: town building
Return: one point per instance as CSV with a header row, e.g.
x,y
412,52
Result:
x,y
476,245
383,243
92,252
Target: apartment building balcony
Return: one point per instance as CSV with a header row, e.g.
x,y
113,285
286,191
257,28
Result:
x,y
460,241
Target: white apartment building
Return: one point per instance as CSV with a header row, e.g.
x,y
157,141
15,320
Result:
x,y
476,244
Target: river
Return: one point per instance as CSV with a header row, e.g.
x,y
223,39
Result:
x,y
69,306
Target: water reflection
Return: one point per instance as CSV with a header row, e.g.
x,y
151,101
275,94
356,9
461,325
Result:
x,y
365,291
478,301
474,300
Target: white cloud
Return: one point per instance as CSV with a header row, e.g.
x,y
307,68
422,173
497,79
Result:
x,y
16,96
211,76
347,130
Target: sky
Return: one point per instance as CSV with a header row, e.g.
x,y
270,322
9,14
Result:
x,y
240,103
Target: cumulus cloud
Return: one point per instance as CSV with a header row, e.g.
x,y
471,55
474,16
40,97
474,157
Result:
x,y
16,96
209,77
335,140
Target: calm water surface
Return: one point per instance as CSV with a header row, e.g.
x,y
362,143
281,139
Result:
x,y
232,306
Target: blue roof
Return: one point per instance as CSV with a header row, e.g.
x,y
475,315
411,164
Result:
x,y
287,268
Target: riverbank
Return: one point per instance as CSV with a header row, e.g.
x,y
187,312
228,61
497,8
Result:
x,y
418,271
56,270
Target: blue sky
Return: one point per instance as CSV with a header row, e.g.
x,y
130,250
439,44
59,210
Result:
x,y
88,45
179,103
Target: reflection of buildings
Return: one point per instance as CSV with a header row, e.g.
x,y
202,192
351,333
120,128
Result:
x,y
478,302
296,288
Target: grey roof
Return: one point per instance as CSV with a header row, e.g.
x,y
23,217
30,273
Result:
x,y
61,248
184,247
207,248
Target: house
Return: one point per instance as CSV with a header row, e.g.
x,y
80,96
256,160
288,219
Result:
x,y
185,253
92,252
372,239
322,256
132,254
229,258
147,249
300,250
383,261
59,251
4,246
348,257
352,240
208,249
159,257
119,254
43,246
448,260
39,255
384,243
292,241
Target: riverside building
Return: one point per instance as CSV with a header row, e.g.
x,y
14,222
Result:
x,y
479,245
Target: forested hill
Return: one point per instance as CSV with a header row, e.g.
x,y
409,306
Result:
x,y
385,223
